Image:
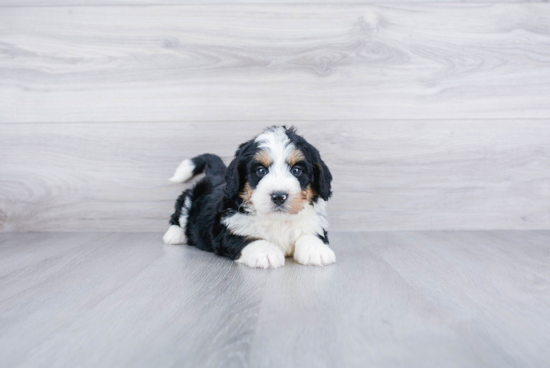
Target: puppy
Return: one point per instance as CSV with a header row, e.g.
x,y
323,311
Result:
x,y
270,203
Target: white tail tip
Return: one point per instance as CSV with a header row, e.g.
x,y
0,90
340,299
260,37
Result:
x,y
183,172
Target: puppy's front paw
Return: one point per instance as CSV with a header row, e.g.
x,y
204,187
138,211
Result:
x,y
262,254
311,251
174,235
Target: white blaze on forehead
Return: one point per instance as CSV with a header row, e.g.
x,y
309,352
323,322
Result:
x,y
276,143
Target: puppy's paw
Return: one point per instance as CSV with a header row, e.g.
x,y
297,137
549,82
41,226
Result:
x,y
262,254
311,251
174,235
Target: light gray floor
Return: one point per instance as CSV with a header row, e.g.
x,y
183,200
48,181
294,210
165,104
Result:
x,y
393,299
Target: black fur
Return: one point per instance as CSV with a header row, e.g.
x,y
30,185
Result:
x,y
209,164
320,175
238,169
175,218
217,195
323,237
209,203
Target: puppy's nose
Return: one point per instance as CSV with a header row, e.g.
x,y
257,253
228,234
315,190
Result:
x,y
279,198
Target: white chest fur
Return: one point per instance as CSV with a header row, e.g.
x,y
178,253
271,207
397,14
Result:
x,y
281,229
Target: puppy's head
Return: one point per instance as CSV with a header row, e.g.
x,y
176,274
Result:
x,y
278,172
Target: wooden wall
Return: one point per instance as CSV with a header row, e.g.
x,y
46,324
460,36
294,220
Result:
x,y
431,116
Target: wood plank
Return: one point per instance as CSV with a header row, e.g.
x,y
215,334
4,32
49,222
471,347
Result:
x,y
359,313
21,3
481,276
42,296
274,62
387,174
414,299
103,309
22,265
393,299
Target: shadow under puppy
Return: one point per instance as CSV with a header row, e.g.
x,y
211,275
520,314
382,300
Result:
x,y
269,203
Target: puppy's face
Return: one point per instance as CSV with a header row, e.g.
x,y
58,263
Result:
x,y
279,173
278,176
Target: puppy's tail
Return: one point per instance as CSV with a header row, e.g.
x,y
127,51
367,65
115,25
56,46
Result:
x,y
207,163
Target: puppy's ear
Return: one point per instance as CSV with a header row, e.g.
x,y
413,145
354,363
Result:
x,y
236,171
321,175
232,181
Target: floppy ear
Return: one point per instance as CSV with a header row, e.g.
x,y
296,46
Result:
x,y
236,172
232,181
321,177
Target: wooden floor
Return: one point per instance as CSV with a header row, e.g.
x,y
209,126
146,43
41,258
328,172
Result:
x,y
393,299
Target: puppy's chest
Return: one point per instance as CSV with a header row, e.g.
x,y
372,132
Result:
x,y
281,232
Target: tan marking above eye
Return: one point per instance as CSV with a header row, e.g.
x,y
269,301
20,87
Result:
x,y
263,158
294,157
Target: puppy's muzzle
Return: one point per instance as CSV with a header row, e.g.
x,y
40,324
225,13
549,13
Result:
x,y
279,198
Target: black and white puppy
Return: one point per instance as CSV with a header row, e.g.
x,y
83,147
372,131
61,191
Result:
x,y
268,204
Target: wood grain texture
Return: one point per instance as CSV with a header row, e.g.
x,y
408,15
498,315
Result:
x,y
393,299
274,62
14,3
387,174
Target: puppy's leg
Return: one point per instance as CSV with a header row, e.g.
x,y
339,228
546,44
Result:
x,y
262,254
310,250
174,235
178,221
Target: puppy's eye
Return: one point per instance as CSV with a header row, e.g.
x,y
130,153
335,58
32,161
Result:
x,y
296,171
261,171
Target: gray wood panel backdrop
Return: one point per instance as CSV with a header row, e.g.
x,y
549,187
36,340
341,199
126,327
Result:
x,y
431,116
